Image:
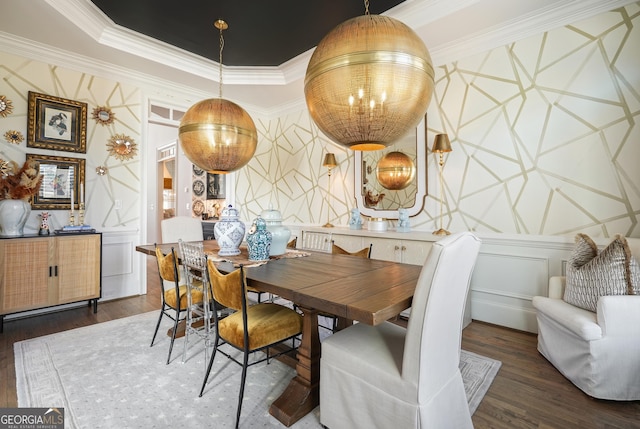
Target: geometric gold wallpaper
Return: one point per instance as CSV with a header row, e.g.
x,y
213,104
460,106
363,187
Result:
x,y
113,199
544,133
286,172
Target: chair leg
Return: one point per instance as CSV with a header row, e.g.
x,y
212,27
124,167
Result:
x,y
206,375
157,327
173,336
187,328
245,363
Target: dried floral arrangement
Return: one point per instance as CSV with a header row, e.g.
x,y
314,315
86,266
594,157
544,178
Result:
x,y
19,183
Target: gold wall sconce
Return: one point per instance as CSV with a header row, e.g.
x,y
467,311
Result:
x,y
441,144
330,163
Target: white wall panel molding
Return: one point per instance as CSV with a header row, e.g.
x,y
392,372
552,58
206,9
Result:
x,y
523,319
123,269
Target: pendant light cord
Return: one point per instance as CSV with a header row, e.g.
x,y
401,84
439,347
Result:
x,y
366,7
220,63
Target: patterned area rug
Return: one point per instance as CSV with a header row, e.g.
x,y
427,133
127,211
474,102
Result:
x,y
107,376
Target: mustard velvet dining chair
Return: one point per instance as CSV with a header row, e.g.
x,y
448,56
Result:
x,y
387,376
251,328
174,295
362,253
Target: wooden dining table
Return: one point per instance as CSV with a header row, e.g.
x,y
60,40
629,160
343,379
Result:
x,y
353,289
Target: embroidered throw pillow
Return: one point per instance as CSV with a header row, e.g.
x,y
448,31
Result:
x,y
591,275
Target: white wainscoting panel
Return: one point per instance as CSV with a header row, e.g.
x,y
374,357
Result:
x,y
503,286
121,268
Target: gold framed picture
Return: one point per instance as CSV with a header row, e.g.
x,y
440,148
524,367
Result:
x,y
62,182
56,123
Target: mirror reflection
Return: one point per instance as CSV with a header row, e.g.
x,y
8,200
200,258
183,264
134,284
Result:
x,y
393,178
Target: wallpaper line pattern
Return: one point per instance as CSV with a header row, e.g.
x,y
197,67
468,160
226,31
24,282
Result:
x,y
123,181
543,135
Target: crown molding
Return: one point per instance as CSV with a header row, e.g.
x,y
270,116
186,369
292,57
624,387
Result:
x,y
90,19
416,13
538,22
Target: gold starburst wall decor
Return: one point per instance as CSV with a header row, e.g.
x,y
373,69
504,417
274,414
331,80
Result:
x,y
14,137
6,107
122,147
103,115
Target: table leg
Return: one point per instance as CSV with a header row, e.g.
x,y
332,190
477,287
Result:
x,y
302,394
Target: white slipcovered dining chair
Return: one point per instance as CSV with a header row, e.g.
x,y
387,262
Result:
x,y
185,228
387,376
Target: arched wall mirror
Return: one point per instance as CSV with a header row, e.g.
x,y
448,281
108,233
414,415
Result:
x,y
373,198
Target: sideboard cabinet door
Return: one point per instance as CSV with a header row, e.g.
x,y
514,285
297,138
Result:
x,y
78,260
405,251
25,262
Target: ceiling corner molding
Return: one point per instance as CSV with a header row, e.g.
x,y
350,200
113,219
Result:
x,y
541,21
84,15
92,21
418,13
251,76
51,55
296,68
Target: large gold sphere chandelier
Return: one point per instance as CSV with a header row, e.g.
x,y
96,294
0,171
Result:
x,y
215,134
369,82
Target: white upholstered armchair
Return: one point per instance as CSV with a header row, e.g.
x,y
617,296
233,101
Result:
x,y
598,351
387,376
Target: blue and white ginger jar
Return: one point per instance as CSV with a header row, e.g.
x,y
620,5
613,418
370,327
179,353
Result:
x,y
259,241
229,232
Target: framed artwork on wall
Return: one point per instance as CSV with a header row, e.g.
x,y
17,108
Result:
x,y
216,185
56,123
62,182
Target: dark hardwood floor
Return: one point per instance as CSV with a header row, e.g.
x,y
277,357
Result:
x,y
527,393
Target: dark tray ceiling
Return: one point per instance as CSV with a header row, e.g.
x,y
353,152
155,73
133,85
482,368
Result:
x,y
261,32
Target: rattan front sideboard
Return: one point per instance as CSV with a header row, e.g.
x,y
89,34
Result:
x,y
44,271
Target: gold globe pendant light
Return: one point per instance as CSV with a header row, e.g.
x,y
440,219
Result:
x,y
395,171
215,134
369,81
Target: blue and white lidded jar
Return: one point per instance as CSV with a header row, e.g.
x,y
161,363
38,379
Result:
x,y
229,232
259,240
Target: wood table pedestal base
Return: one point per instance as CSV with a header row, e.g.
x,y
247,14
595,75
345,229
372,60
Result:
x,y
302,394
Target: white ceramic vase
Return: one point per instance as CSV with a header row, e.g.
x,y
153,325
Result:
x,y
229,232
279,234
13,216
